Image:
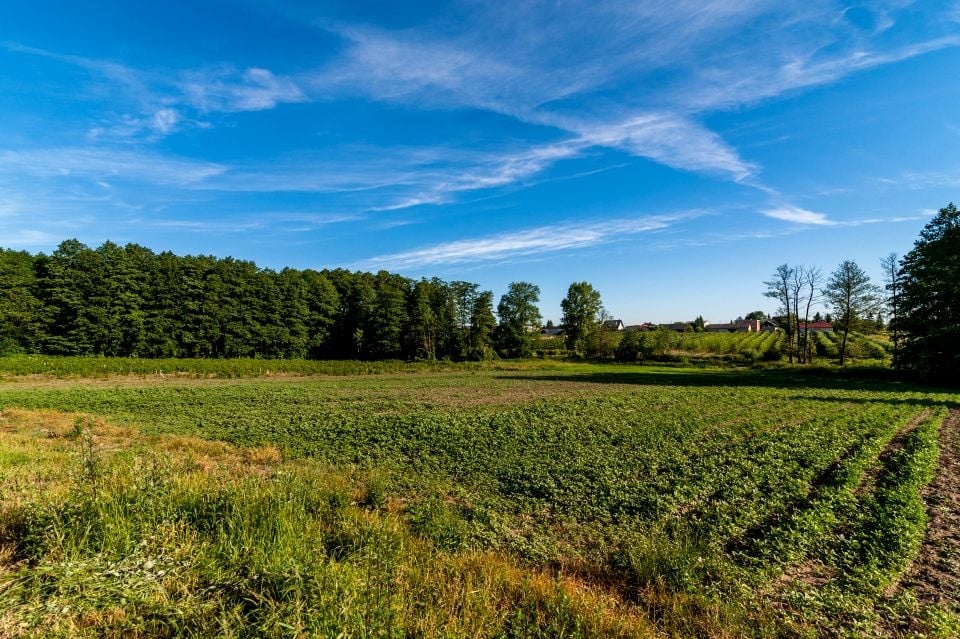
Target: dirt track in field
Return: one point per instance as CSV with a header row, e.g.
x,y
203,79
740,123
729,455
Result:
x,y
935,575
439,390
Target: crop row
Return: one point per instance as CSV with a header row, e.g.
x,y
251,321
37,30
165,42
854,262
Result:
x,y
706,483
721,462
19,365
886,526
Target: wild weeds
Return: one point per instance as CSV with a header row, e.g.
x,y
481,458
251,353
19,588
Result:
x,y
157,550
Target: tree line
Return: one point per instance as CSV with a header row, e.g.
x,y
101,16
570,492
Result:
x,y
920,294
130,301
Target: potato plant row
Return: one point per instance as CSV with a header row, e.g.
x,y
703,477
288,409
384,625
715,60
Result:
x,y
723,464
706,484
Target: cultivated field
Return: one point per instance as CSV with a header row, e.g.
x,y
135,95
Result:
x,y
516,500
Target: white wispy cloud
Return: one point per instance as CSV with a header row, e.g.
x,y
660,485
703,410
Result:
x,y
916,180
640,77
801,218
417,68
561,73
477,171
671,140
953,14
28,239
797,215
156,99
227,89
273,221
201,226
99,164
524,243
754,81
164,121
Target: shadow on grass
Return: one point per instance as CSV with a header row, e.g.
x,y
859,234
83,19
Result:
x,y
865,379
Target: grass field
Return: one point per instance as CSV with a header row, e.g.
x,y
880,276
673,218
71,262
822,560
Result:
x,y
514,500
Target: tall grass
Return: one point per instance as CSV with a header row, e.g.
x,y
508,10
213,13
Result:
x,y
136,548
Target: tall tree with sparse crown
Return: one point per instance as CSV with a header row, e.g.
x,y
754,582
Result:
x,y
852,296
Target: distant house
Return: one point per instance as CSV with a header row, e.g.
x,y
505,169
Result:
x,y
817,327
550,332
645,327
613,325
680,327
740,326
768,326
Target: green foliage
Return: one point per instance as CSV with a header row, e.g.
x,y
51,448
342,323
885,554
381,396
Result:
x,y
929,308
690,492
21,315
482,326
629,348
581,308
888,526
519,320
852,297
439,521
128,301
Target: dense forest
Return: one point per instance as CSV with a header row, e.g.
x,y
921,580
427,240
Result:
x,y
130,301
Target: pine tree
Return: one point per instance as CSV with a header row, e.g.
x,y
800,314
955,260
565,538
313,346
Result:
x,y
929,305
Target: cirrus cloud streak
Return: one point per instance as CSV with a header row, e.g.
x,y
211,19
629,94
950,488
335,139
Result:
x,y
525,243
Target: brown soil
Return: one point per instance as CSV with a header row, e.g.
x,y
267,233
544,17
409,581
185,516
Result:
x,y
440,395
935,575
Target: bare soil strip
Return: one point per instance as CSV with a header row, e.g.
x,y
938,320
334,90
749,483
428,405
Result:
x,y
935,575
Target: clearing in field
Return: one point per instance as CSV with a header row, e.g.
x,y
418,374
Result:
x,y
560,500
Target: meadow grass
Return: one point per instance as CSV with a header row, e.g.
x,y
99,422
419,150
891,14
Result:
x,y
211,540
561,500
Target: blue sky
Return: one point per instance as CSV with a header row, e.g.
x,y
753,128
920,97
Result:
x,y
671,153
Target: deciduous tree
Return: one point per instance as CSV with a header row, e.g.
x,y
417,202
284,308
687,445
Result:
x,y
812,280
891,284
852,296
482,325
519,319
580,309
779,288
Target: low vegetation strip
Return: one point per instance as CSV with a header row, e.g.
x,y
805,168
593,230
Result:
x,y
888,526
813,518
676,497
14,366
935,575
879,536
